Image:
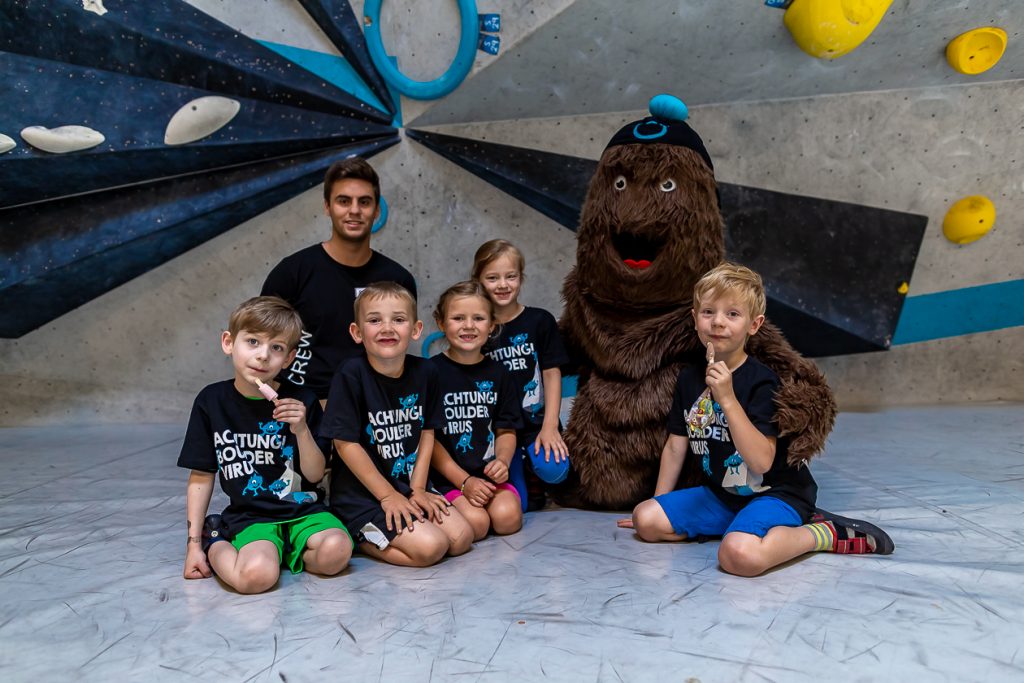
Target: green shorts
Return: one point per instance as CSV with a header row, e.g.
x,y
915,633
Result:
x,y
295,531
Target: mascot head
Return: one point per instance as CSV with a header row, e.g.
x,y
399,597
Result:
x,y
650,226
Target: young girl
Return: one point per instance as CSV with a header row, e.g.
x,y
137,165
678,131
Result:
x,y
529,345
481,414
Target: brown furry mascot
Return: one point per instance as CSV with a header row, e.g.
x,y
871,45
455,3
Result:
x,y
649,229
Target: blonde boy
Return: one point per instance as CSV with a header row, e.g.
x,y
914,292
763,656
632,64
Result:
x,y
382,411
724,415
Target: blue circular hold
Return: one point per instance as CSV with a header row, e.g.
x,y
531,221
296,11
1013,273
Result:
x,y
383,217
431,338
649,136
668,108
423,90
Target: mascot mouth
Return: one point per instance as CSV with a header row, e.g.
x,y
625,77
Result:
x,y
637,251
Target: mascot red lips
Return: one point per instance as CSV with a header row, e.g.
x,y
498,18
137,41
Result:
x,y
649,229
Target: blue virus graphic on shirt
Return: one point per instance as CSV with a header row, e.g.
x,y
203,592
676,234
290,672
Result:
x,y
254,486
706,464
519,339
409,401
369,430
485,386
403,465
271,428
465,442
733,462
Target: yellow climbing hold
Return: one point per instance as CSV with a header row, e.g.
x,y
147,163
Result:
x,y
977,50
903,288
969,219
827,29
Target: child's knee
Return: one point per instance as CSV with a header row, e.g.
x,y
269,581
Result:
x,y
460,534
426,545
333,552
649,520
257,575
506,514
741,555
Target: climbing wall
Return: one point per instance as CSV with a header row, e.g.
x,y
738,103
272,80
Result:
x,y
889,127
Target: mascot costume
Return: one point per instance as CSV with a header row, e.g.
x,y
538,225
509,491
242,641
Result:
x,y
649,229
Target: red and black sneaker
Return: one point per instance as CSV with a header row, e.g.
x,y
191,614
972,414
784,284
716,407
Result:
x,y
855,536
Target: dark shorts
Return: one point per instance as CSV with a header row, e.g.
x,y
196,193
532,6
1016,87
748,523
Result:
x,y
290,537
698,512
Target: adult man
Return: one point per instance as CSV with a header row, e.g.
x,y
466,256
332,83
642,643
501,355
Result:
x,y
323,280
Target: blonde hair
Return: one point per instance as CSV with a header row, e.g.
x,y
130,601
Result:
x,y
376,291
493,250
732,278
269,315
459,290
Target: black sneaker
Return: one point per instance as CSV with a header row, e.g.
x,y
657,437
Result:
x,y
214,530
855,536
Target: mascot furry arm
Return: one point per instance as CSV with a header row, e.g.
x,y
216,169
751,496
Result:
x,y
649,229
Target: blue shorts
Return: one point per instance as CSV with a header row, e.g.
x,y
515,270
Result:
x,y
698,512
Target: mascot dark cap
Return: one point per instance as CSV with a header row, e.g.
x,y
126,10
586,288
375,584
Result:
x,y
665,126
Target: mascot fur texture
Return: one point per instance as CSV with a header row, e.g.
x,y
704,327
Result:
x,y
630,330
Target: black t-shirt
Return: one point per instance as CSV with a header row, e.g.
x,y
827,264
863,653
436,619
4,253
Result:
x,y
323,292
256,456
527,345
477,400
385,415
701,420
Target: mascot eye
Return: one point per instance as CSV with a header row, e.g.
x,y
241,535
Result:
x,y
667,185
620,183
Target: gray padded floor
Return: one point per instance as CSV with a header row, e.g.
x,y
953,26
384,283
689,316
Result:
x,y
92,539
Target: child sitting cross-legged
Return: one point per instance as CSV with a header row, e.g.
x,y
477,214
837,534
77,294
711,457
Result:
x,y
723,414
261,444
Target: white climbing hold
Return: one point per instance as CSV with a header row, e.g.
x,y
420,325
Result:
x,y
200,117
7,143
62,139
95,6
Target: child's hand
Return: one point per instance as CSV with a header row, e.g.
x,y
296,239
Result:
x,y
478,491
434,505
549,441
196,566
400,512
496,471
719,380
624,523
292,411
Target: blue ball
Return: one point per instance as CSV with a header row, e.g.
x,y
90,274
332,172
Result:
x,y
668,108
550,472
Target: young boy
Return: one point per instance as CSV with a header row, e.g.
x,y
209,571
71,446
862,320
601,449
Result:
x,y
382,411
751,496
268,461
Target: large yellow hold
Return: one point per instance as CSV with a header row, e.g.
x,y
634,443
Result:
x,y
976,51
827,29
969,219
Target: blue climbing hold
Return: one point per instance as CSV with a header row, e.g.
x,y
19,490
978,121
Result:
x,y
443,84
383,217
668,108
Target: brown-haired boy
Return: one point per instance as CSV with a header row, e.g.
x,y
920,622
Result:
x,y
725,415
268,460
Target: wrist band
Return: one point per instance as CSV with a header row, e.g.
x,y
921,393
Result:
x,y
462,489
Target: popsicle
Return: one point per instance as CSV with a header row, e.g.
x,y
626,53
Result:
x,y
267,390
710,355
